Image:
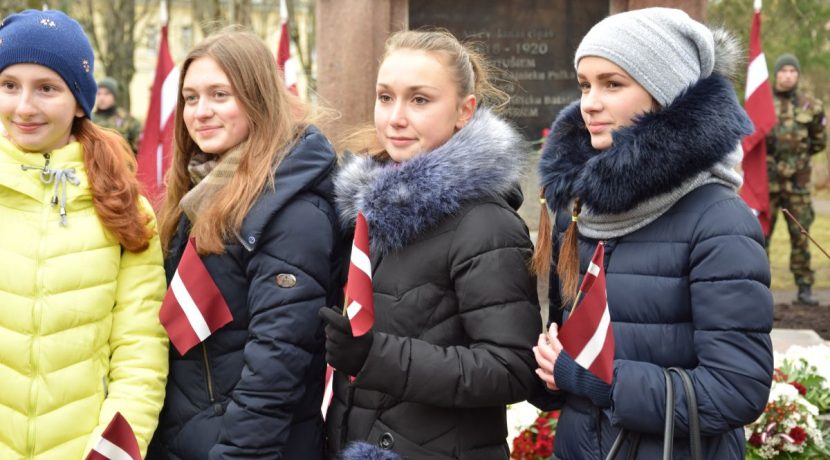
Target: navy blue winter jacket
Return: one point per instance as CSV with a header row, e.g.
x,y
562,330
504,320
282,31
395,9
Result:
x,y
690,289
253,389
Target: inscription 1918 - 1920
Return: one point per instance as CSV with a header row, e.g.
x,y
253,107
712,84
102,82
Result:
x,y
532,40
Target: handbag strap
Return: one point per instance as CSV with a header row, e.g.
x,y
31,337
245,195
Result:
x,y
668,428
694,417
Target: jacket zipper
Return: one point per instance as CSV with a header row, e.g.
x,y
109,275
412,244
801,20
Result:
x,y
217,408
37,314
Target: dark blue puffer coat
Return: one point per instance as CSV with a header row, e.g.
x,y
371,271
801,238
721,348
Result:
x,y
253,389
690,289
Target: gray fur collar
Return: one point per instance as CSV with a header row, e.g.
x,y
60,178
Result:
x,y
402,200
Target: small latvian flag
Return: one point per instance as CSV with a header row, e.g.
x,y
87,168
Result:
x,y
360,303
193,307
117,442
587,334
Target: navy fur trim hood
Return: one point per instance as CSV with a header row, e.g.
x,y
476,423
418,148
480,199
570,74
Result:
x,y
366,451
402,200
649,158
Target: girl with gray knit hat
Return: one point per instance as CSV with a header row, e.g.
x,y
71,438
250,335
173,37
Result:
x,y
645,162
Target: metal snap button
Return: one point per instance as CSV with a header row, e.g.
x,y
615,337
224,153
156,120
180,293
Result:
x,y
286,280
386,441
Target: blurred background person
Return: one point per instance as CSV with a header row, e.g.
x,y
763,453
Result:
x,y
107,114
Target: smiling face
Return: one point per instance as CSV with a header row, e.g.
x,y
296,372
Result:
x,y
611,99
212,114
37,107
417,107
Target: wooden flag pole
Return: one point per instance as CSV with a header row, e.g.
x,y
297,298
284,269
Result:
x,y
804,232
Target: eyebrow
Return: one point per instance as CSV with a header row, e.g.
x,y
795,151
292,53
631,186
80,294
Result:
x,y
604,76
411,88
210,87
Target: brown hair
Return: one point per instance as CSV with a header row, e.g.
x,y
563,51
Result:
x,y
275,117
111,167
469,69
567,266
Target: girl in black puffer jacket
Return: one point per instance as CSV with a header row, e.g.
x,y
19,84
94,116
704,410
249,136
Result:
x,y
650,152
456,311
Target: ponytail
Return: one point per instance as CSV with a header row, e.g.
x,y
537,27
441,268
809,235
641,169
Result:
x,y
568,265
540,264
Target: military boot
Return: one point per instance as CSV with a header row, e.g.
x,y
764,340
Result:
x,y
805,296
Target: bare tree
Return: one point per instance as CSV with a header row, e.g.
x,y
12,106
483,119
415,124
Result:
x,y
208,15
111,27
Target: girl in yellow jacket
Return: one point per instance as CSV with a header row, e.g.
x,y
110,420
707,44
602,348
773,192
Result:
x,y
81,277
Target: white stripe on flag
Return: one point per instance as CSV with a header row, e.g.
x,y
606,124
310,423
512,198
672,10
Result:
x,y
159,158
168,96
361,261
756,75
110,450
194,316
353,309
594,346
593,269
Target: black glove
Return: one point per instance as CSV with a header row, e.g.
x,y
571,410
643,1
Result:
x,y
344,352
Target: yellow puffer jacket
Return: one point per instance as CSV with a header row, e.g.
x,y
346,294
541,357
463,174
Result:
x,y
80,337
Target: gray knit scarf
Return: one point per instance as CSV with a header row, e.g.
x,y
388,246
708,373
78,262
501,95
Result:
x,y
606,226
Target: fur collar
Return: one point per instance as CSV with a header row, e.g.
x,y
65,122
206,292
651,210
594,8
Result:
x,y
652,157
402,200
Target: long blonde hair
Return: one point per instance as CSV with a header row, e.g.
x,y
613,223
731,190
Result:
x,y
469,69
275,117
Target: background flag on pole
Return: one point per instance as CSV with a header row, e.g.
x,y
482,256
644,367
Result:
x,y
761,109
117,442
155,148
286,64
587,335
193,307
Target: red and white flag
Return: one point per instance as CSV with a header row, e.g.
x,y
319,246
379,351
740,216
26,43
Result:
x,y
587,335
117,442
360,304
155,149
286,64
193,307
761,109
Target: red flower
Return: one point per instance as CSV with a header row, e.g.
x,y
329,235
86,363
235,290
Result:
x,y
798,434
755,440
801,388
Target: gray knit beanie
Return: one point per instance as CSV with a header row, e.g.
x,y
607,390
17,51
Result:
x,y
786,59
663,49
110,84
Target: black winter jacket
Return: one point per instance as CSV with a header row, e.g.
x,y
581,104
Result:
x,y
689,289
456,311
253,389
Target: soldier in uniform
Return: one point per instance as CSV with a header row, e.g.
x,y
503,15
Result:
x,y
108,115
799,134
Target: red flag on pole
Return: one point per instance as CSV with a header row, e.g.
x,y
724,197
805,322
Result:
x,y
286,64
360,304
155,148
587,335
359,295
761,109
117,442
193,307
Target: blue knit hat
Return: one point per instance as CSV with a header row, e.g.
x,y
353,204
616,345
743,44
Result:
x,y
54,40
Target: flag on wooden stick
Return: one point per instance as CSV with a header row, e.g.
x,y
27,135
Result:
x,y
587,335
193,307
761,110
360,305
117,442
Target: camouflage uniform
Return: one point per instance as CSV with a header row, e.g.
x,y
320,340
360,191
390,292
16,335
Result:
x,y
799,134
121,121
